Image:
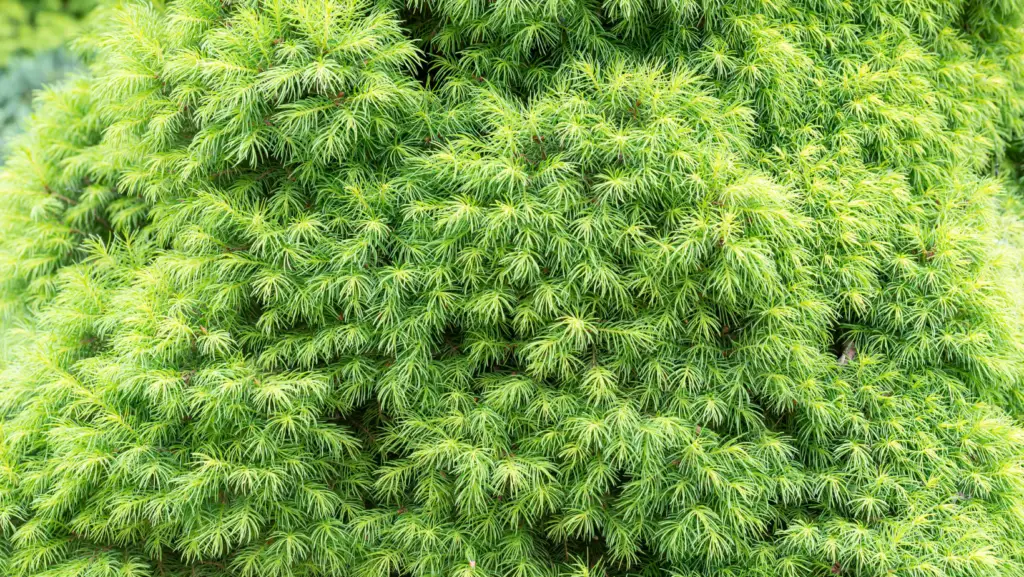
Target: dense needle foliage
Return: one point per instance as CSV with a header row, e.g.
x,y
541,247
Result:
x,y
518,288
19,80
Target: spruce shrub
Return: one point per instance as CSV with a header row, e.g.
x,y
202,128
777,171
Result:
x,y
518,288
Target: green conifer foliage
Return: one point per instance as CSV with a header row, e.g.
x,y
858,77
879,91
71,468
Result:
x,y
518,288
18,82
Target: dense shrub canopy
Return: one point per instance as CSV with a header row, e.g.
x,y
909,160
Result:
x,y
517,288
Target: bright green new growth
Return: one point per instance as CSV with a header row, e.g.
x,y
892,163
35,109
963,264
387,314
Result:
x,y
518,288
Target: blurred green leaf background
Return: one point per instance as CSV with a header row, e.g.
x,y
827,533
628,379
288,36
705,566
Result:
x,y
33,26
